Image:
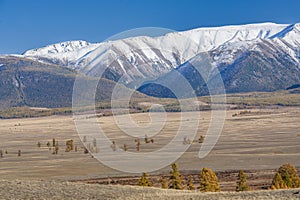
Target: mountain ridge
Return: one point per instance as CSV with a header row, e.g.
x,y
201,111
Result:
x,y
165,52
253,57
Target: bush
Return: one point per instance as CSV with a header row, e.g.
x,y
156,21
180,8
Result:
x,y
242,182
209,181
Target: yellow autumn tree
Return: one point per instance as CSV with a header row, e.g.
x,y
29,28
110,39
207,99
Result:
x,y
209,181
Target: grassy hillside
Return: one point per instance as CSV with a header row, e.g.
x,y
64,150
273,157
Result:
x,y
27,83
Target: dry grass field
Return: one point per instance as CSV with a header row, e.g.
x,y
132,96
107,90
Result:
x,y
66,190
261,140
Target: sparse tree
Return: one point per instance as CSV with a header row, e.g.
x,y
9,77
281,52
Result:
x,y
242,182
164,183
144,181
53,142
85,151
19,153
94,142
146,139
190,184
48,145
176,181
113,146
39,145
138,144
56,148
201,139
186,140
278,183
209,181
84,139
1,153
69,145
125,148
289,175
6,152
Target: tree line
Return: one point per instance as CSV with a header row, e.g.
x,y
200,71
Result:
x,y
286,177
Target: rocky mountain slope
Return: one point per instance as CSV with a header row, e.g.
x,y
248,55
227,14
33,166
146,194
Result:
x,y
25,82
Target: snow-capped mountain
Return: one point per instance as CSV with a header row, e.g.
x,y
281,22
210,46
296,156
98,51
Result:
x,y
146,57
255,57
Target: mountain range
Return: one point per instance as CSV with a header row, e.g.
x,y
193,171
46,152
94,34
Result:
x,y
253,57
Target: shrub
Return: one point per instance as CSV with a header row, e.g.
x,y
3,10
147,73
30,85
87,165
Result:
x,y
209,181
144,181
242,182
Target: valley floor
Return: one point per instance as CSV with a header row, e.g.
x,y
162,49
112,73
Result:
x,y
258,140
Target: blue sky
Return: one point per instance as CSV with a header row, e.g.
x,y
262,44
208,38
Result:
x,y
27,24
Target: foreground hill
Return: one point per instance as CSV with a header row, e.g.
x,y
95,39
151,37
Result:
x,y
65,190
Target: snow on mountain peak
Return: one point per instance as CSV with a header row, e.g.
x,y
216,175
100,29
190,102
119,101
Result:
x,y
61,47
146,56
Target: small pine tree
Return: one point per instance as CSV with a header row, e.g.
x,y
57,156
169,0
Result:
x,y
278,183
242,182
53,142
1,153
164,183
39,144
289,175
144,181
190,184
19,152
209,181
176,181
